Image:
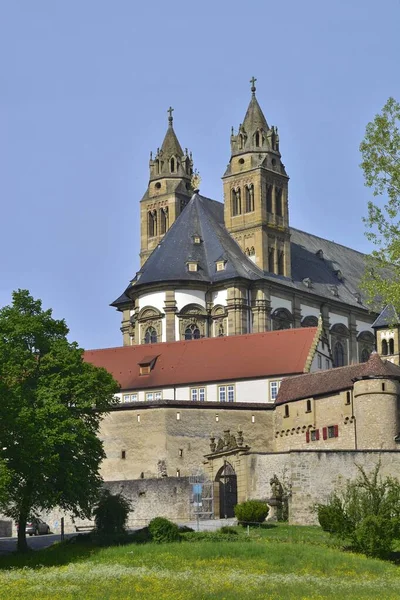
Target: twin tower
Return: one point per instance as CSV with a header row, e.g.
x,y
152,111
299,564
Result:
x,y
255,192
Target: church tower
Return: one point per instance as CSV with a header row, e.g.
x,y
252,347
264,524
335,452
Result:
x,y
256,192
168,192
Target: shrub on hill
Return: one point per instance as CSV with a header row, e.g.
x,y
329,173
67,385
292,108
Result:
x,y
367,513
111,513
251,512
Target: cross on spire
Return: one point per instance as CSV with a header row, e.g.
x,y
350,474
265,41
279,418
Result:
x,y
170,118
253,85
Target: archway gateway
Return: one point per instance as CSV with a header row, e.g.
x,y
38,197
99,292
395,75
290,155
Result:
x,y
228,497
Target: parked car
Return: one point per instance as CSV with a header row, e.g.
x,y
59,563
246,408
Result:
x,y
36,526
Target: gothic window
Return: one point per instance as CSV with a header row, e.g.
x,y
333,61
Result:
x,y
163,220
258,139
281,263
338,354
172,165
365,355
391,346
269,198
278,202
249,198
192,332
271,260
150,337
152,223
236,203
158,167
252,251
384,347
247,252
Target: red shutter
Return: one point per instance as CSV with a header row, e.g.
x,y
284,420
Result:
x,y
317,434
325,432
307,436
336,430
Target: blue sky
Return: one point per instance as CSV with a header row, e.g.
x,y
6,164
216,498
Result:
x,y
84,89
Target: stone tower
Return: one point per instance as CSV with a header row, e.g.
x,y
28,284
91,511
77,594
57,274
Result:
x,y
376,411
168,192
256,192
386,328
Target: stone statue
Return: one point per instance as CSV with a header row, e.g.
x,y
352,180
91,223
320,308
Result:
x,y
276,487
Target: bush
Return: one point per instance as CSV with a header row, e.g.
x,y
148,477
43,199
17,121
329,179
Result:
x,y
162,530
367,514
228,530
251,511
214,536
111,513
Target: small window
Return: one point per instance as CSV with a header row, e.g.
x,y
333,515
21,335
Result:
x,y
178,416
202,394
138,418
253,418
391,346
331,431
308,406
134,397
158,185
180,452
286,410
123,454
216,418
192,266
220,265
273,389
157,395
149,396
383,387
178,473
193,394
153,396
192,332
144,369
327,363
384,347
315,435
319,361
348,397
127,398
196,239
222,393
226,393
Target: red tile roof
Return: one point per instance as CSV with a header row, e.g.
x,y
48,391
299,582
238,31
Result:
x,y
273,353
330,381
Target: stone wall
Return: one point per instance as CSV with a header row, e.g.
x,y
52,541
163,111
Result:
x,y
313,475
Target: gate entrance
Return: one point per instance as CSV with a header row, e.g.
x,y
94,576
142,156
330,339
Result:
x,y
226,477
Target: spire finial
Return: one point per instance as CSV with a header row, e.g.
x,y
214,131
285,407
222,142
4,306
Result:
x,y
170,118
253,85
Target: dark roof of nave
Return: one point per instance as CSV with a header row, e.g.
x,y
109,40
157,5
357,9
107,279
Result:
x,y
319,266
387,318
319,383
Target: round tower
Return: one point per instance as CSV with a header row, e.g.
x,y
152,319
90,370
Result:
x,y
376,393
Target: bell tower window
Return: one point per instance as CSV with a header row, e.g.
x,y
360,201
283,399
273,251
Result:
x,y
384,347
249,198
269,198
391,346
278,201
152,223
172,165
163,220
236,203
281,262
258,139
271,260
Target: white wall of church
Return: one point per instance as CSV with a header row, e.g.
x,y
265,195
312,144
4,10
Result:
x,y
335,319
280,303
155,299
309,311
220,297
363,326
184,297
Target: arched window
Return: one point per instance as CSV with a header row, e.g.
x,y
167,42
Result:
x,y
163,220
278,202
338,354
258,139
252,251
365,355
236,203
384,347
249,198
172,165
247,252
281,266
391,346
150,337
269,198
157,167
152,223
271,265
192,332
281,319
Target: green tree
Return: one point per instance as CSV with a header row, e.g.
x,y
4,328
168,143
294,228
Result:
x,y
51,405
380,152
366,513
111,513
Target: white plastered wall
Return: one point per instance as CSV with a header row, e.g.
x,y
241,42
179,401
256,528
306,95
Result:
x,y
309,311
155,299
280,303
335,319
184,297
220,297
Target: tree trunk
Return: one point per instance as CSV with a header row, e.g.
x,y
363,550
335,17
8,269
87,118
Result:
x,y
22,545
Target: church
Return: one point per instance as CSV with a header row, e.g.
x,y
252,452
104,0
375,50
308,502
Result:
x,y
214,269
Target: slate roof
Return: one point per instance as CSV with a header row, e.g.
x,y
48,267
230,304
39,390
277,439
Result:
x,y
387,318
334,270
254,118
255,355
319,383
171,145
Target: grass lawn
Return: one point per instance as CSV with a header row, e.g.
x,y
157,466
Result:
x,y
279,563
